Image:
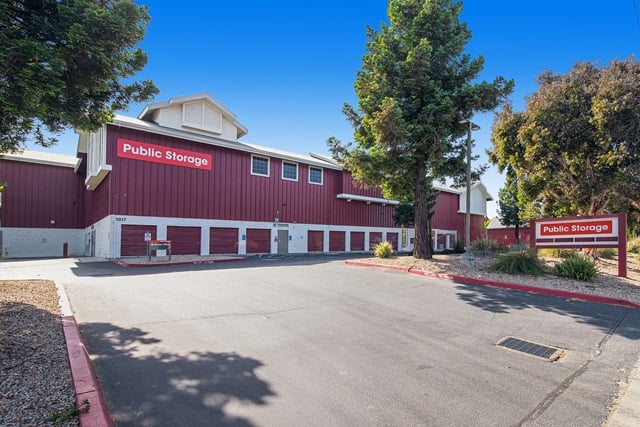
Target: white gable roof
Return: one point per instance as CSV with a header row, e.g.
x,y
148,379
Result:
x,y
149,113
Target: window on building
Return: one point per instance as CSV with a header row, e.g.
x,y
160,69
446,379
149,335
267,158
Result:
x,y
290,171
259,166
315,175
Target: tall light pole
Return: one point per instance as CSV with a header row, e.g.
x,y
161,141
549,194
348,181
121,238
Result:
x,y
467,223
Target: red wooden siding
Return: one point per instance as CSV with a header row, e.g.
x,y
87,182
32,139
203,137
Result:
x,y
337,241
315,241
223,240
229,191
184,240
258,240
374,239
357,240
36,194
393,239
132,242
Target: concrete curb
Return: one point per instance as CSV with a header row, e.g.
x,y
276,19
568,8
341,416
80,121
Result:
x,y
504,285
84,378
124,263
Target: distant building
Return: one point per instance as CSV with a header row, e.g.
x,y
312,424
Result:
x,y
506,235
180,172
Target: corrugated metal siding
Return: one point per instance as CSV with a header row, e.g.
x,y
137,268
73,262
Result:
x,y
184,240
36,194
258,241
506,236
97,202
357,240
132,242
350,186
223,240
315,241
337,241
229,191
447,217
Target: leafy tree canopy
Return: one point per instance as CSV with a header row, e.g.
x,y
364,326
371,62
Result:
x,y
576,147
415,86
62,63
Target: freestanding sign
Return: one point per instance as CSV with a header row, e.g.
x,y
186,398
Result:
x,y
601,231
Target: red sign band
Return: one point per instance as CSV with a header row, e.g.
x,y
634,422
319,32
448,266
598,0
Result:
x,y
135,150
597,227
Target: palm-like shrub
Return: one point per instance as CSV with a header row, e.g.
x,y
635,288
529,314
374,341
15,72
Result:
x,y
577,267
518,262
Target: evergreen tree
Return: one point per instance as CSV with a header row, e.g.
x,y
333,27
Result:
x,y
415,86
61,65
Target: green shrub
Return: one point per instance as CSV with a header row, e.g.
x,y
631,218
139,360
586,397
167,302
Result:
x,y
487,246
577,267
383,250
607,253
520,262
633,245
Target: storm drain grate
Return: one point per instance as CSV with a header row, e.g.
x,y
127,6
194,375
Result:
x,y
531,348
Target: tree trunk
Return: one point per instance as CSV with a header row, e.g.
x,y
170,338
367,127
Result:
x,y
517,231
422,243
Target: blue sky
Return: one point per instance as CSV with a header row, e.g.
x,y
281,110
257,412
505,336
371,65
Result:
x,y
286,67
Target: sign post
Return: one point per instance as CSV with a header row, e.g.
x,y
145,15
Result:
x,y
147,239
600,231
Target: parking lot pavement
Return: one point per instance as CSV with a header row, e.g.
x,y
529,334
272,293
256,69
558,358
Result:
x,y
316,342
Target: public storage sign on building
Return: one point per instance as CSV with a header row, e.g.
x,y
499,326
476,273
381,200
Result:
x,y
136,150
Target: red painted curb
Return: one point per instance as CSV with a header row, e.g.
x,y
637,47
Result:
x,y
84,378
512,286
213,261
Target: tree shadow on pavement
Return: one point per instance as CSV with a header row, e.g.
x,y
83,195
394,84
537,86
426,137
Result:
x,y
146,387
608,318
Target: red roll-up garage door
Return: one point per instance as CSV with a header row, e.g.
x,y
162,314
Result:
x,y
223,240
393,239
357,240
315,241
374,239
184,240
132,241
336,241
258,241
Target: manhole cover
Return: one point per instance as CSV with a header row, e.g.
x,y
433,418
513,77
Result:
x,y
531,348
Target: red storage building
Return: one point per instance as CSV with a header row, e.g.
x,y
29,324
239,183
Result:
x,y
180,172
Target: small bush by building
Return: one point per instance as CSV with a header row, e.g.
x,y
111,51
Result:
x,y
487,247
577,267
383,250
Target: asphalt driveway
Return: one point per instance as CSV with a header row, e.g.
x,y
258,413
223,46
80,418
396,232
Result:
x,y
311,341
